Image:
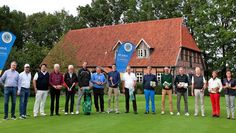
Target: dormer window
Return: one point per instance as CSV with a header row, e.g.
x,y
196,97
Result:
x,y
143,49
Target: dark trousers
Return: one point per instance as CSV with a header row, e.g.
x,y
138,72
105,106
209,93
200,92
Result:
x,y
9,92
127,97
69,97
98,93
55,94
24,94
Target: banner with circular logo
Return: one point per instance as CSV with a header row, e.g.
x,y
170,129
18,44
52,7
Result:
x,y
123,56
7,40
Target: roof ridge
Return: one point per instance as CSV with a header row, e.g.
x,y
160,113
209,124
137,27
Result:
x,y
132,23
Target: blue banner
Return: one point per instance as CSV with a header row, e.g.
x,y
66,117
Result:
x,y
7,40
124,55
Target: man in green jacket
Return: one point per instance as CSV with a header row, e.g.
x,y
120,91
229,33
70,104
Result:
x,y
166,82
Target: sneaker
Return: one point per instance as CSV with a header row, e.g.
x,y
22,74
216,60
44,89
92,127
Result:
x,y
43,114
195,114
171,113
72,113
153,112
186,114
146,112
203,115
13,117
126,111
77,112
178,114
108,111
135,112
5,118
22,117
66,113
162,112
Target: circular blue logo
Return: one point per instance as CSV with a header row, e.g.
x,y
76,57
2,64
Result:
x,y
6,37
128,47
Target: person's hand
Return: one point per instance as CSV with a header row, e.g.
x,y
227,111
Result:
x,y
123,90
35,91
68,88
192,94
110,78
166,87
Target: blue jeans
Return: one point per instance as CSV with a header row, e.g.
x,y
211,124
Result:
x,y
9,91
24,94
150,94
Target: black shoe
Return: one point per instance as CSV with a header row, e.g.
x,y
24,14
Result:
x,y
126,111
228,117
213,115
51,114
147,112
217,116
135,112
153,113
57,114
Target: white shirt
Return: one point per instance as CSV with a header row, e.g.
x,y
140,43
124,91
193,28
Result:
x,y
129,80
214,83
24,80
36,76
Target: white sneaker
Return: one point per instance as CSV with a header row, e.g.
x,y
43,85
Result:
x,y
66,113
72,113
117,112
35,115
186,114
203,115
77,112
195,114
178,114
171,113
162,112
43,114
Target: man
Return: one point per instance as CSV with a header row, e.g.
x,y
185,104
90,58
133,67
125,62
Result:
x,y
70,79
99,80
24,90
41,84
56,82
129,83
181,83
149,83
10,79
84,77
166,83
215,87
198,88
113,82
229,85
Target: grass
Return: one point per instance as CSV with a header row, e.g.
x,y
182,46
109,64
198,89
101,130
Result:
x,y
121,123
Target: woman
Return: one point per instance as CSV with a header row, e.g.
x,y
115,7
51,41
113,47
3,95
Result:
x,y
230,93
215,87
70,80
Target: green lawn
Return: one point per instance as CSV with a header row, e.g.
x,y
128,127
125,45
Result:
x,y
130,123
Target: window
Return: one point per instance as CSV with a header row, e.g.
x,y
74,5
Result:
x,y
139,76
142,53
159,77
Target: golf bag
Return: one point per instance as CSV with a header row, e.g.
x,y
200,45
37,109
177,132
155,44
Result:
x,y
87,104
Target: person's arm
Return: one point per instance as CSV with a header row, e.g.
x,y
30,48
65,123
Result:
x,y
65,84
104,79
19,84
192,88
135,81
220,85
3,78
209,85
34,82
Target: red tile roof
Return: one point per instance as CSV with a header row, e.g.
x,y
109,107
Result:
x,y
166,37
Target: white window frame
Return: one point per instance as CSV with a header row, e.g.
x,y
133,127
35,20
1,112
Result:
x,y
139,76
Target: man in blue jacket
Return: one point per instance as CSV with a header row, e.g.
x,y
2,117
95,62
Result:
x,y
149,83
113,82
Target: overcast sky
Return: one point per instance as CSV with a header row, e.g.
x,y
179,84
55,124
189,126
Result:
x,y
32,6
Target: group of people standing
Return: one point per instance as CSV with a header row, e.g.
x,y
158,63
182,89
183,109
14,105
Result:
x,y
45,82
